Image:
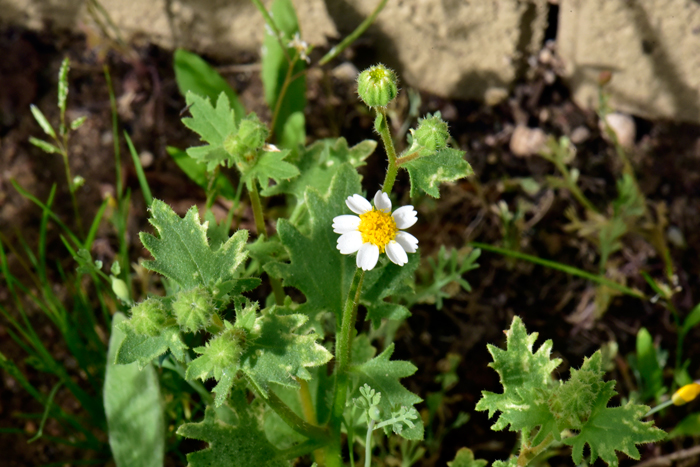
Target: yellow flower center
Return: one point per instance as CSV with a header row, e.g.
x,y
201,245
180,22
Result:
x,y
377,228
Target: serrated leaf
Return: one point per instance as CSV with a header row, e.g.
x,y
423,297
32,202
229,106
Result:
x,y
270,165
318,163
193,73
143,349
316,267
182,253
198,173
465,458
276,353
383,375
213,124
275,66
429,171
134,409
611,429
525,376
242,444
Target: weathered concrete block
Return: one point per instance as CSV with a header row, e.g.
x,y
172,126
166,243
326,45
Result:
x,y
452,48
651,46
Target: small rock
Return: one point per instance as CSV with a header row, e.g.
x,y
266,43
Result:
x,y
146,158
580,134
624,127
526,141
675,237
345,72
494,96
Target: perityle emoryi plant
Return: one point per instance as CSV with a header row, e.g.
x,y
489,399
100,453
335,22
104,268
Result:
x,y
205,328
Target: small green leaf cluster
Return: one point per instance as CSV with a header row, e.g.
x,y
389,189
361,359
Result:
x,y
546,410
235,145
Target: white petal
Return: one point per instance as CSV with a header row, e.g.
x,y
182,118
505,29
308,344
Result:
x,y
382,202
396,253
349,242
405,217
358,204
368,256
407,241
345,224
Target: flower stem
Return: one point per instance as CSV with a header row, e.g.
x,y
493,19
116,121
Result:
x,y
343,348
368,443
258,215
381,125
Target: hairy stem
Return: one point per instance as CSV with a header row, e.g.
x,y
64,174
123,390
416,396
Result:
x,y
343,348
381,125
527,454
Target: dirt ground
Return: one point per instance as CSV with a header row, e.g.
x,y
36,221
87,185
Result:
x,y
666,158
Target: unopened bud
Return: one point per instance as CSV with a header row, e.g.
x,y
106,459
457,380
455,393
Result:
x,y
251,136
120,289
193,309
432,132
377,86
686,394
148,317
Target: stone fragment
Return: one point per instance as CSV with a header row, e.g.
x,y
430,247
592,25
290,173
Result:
x,y
526,142
650,46
623,126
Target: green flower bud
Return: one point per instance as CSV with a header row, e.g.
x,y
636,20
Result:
x,y
375,413
193,309
148,317
120,289
377,86
223,351
251,137
432,133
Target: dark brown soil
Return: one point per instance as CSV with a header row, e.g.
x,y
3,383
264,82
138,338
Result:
x,y
666,158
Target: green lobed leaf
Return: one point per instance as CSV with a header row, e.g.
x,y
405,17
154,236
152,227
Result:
x,y
427,172
611,429
143,349
270,165
182,253
277,353
383,375
274,71
525,377
134,409
318,163
465,458
265,347
193,73
316,268
241,444
213,124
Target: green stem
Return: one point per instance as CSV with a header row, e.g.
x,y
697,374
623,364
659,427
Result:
x,y
407,158
258,215
561,267
71,187
294,421
573,187
368,444
271,22
179,368
527,454
283,91
343,349
381,125
335,51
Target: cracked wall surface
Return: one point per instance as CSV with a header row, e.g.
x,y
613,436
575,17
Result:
x,y
452,48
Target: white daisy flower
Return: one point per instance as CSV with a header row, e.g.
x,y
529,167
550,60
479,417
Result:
x,y
376,231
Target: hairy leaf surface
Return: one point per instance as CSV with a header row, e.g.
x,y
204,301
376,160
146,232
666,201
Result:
x,y
213,124
429,171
